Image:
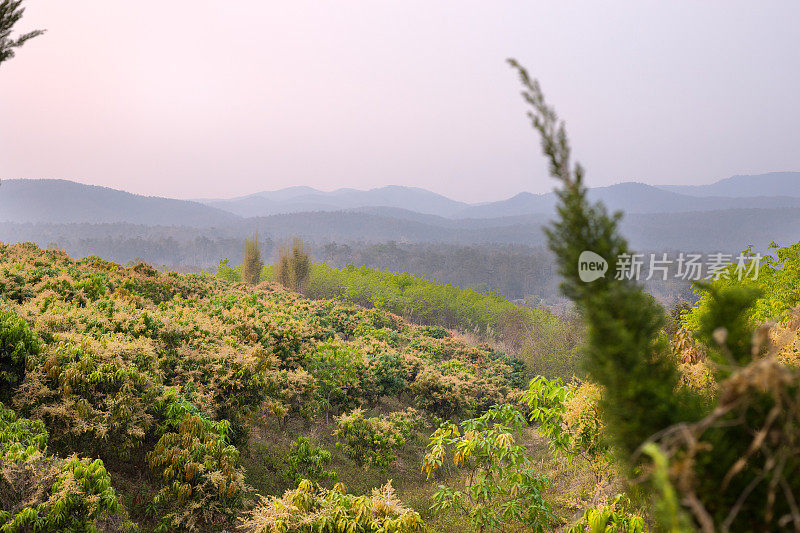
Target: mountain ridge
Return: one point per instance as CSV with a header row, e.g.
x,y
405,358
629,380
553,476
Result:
x,y
300,198
746,185
63,201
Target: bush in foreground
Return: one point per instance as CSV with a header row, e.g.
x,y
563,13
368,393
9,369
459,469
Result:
x,y
305,509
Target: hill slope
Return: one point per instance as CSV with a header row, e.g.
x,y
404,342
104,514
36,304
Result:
x,y
61,201
181,376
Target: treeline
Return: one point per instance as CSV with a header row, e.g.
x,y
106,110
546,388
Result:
x,y
182,249
515,271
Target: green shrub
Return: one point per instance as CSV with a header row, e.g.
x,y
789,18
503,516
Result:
x,y
20,438
307,461
304,510
612,518
44,493
437,332
389,373
777,283
203,483
438,394
501,487
339,372
368,441
93,286
408,422
17,343
81,495
227,272
568,415
94,398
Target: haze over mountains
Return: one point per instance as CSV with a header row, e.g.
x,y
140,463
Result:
x,y
62,201
780,189
726,216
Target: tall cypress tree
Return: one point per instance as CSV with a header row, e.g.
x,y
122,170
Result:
x,y
732,452
10,14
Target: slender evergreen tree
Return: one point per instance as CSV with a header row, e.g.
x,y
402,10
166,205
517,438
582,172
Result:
x,y
730,454
10,14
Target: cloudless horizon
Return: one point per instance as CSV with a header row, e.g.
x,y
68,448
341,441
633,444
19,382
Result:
x,y
200,99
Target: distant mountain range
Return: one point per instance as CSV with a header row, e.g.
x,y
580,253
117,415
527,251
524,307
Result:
x,y
62,201
727,215
304,199
632,198
780,189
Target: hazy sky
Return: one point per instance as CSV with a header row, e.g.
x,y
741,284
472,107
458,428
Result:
x,y
217,99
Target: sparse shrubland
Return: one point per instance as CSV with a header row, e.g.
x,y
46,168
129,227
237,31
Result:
x,y
166,380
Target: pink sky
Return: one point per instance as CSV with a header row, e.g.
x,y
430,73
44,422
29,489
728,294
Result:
x,y
218,99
